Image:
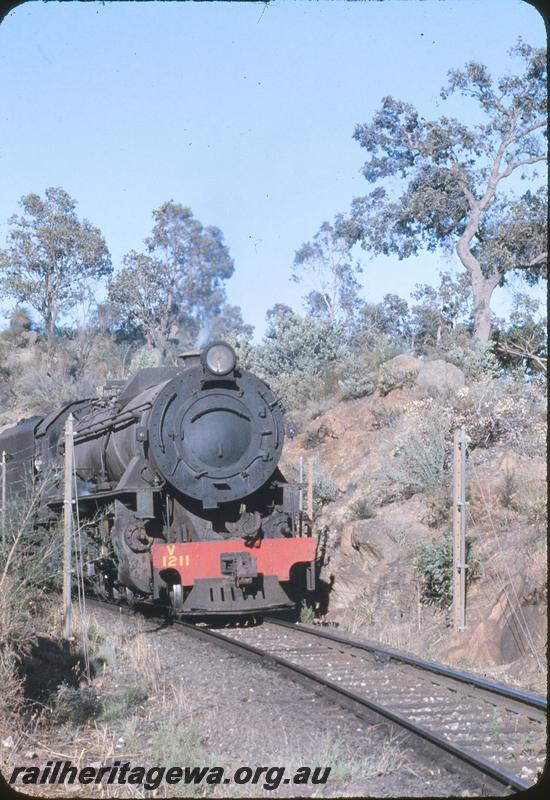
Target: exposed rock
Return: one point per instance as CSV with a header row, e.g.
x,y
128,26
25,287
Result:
x,y
402,365
509,462
396,399
367,551
439,376
516,622
351,582
397,372
368,570
371,538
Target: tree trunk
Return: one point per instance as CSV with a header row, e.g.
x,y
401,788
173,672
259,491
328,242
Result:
x,y
482,291
482,287
49,325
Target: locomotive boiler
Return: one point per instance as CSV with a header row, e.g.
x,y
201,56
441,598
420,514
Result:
x,y
187,458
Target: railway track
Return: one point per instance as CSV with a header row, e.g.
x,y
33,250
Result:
x,y
496,730
466,722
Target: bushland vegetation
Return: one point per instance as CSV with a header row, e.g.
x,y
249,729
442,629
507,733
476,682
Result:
x,y
60,343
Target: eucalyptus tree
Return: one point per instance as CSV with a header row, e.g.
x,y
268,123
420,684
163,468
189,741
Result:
x,y
52,258
178,283
441,183
326,267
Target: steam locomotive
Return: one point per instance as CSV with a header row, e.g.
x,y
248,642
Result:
x,y
185,460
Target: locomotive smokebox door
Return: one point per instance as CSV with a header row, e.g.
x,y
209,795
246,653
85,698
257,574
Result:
x,y
240,566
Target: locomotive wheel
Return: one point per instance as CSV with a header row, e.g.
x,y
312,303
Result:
x,y
176,597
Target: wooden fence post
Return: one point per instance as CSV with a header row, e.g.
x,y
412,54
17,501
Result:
x,y
310,490
4,468
68,526
459,529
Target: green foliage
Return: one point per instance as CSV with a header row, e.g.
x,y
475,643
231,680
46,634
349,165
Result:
x,y
357,382
296,356
434,566
75,706
421,459
440,310
307,613
361,509
145,357
52,258
360,370
178,285
522,345
449,197
325,489
295,344
180,745
123,703
30,568
477,363
363,615
374,349
388,321
388,380
325,264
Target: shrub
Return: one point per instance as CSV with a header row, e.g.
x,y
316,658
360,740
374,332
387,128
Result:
x,y
180,745
439,505
325,489
75,706
533,497
363,614
422,457
476,363
384,415
507,490
145,357
29,569
296,345
361,509
44,387
123,702
434,566
11,683
298,390
374,349
357,383
307,613
495,409
393,379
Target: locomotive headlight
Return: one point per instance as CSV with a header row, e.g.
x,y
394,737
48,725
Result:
x,y
220,359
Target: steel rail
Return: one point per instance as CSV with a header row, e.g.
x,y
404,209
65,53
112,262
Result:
x,y
502,776
526,698
347,697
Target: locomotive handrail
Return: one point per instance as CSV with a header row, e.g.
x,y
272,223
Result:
x,y
113,421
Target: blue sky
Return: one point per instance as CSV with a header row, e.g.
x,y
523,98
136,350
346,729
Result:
x,y
242,111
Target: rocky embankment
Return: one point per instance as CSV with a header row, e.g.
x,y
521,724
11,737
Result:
x,y
384,486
